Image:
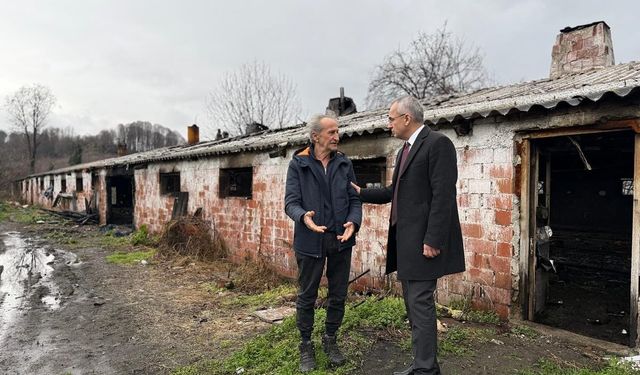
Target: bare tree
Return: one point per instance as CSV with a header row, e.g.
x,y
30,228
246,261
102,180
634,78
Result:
x,y
250,94
29,109
434,64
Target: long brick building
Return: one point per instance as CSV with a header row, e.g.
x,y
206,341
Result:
x,y
553,156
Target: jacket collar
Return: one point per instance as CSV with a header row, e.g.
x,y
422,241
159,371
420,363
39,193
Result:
x,y
304,156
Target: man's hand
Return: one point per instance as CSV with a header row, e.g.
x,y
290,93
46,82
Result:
x,y
356,188
349,228
430,252
308,221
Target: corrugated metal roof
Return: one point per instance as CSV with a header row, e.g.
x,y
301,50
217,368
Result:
x,y
571,89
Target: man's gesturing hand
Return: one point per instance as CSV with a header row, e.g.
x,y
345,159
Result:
x,y
308,221
356,188
349,228
430,252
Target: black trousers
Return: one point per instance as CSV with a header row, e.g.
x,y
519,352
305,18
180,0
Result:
x,y
421,310
310,271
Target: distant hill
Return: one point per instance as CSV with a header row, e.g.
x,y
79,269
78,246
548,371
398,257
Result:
x,y
144,136
60,148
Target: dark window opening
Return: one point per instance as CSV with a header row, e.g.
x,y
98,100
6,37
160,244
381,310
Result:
x,y
63,185
370,172
79,184
236,182
51,182
170,183
41,183
94,181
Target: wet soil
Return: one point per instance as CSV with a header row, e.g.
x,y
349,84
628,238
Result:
x,y
505,355
65,310
79,314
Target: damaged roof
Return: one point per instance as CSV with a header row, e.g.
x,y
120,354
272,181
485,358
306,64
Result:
x,y
570,89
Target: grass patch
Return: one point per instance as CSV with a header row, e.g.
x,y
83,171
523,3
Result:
x,y
472,315
276,352
4,211
110,240
141,237
268,298
521,330
547,367
457,341
17,214
127,258
213,288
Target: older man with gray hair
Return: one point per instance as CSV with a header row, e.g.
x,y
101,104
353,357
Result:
x,y
327,213
425,240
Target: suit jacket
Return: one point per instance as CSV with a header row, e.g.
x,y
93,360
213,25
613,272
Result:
x,y
427,210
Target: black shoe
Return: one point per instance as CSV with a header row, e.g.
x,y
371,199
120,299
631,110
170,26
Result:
x,y
407,371
333,352
307,356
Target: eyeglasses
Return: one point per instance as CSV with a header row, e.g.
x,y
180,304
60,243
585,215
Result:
x,y
392,119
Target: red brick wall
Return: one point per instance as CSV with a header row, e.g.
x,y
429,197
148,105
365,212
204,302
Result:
x,y
485,206
260,226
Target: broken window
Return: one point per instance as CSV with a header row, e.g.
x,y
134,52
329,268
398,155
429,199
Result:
x,y
170,183
79,184
627,186
370,172
41,183
63,185
236,182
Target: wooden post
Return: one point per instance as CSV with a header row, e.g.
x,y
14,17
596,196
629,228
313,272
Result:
x,y
635,248
525,216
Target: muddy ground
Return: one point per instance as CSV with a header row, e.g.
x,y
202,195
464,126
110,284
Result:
x,y
77,313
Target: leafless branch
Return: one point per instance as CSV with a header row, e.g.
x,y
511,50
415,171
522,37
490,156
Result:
x,y
432,65
249,94
28,110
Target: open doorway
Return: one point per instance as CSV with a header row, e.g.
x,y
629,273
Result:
x,y
120,198
583,214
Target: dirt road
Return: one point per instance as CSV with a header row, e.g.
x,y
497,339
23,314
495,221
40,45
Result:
x,y
71,312
65,310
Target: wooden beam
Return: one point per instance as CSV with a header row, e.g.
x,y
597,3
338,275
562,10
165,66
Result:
x,y
635,248
534,169
609,126
525,214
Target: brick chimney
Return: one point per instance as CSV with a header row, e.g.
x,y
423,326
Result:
x,y
582,48
122,149
193,134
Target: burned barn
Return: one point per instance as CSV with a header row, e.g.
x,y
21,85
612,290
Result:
x,y
547,171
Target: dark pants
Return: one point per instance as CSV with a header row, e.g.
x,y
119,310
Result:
x,y
421,310
309,275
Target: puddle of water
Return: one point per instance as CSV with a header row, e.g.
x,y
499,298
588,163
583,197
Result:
x,y
25,266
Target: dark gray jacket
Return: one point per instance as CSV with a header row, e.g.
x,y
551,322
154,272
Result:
x,y
304,193
427,210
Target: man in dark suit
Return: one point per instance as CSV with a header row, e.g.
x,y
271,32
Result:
x,y
425,239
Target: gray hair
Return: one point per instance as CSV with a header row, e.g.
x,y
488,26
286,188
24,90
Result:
x,y
412,106
314,126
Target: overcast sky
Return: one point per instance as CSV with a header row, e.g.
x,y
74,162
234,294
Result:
x,y
111,62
